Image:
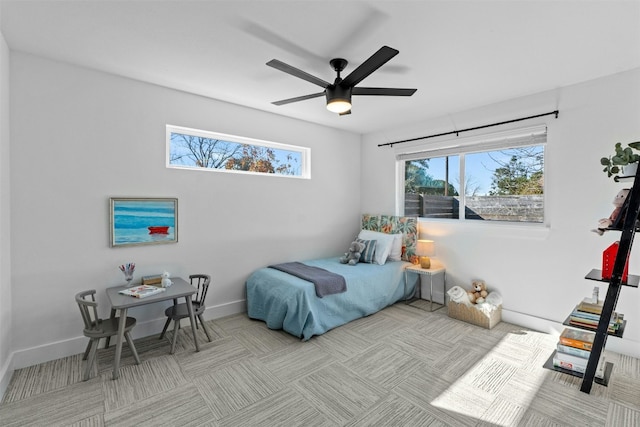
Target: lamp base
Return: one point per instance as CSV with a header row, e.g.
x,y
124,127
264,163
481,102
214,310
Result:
x,y
425,262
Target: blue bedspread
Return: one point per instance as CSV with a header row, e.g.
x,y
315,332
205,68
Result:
x,y
287,302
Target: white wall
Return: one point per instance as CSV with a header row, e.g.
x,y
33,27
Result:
x,y
5,226
539,271
81,136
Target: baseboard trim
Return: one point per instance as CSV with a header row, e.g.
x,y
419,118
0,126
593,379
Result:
x,y
56,350
5,377
623,346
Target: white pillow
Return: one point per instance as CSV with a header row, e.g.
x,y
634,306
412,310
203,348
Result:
x,y
384,242
396,248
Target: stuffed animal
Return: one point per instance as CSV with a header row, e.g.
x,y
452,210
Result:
x,y
166,280
618,201
478,292
352,257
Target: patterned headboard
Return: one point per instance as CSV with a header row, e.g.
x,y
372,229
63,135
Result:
x,y
389,224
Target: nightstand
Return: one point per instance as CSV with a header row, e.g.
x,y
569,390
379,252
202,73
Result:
x,y
434,270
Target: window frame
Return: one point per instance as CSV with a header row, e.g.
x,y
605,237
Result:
x,y
495,141
305,152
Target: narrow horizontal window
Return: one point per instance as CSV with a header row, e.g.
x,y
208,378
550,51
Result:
x,y
204,150
484,182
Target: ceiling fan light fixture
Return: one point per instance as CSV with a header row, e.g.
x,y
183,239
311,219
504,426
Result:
x,y
338,99
338,105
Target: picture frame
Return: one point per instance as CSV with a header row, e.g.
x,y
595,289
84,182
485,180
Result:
x,y
143,221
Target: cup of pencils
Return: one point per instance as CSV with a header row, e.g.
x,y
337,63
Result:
x,y
127,270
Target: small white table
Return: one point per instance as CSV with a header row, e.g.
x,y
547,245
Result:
x,y
180,289
434,270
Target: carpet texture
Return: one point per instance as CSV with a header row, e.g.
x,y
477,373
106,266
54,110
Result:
x,y
400,367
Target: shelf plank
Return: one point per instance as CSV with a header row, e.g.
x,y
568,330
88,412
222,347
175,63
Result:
x,y
596,274
608,368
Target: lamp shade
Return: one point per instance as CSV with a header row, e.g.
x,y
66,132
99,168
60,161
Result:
x,y
425,248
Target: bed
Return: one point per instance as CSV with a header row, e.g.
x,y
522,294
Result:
x,y
287,302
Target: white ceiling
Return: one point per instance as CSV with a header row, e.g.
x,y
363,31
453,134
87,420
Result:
x,y
458,54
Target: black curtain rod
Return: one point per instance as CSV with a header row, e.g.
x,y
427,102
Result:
x,y
456,132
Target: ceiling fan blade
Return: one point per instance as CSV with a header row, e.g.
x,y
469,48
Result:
x,y
265,35
382,91
375,61
298,98
279,65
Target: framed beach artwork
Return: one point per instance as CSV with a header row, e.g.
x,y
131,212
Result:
x,y
143,221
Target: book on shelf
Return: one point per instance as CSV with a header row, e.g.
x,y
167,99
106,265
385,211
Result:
x,y
572,359
573,350
155,279
612,328
577,364
589,307
577,338
142,291
590,320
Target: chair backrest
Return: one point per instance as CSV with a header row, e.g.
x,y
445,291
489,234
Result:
x,y
89,309
200,282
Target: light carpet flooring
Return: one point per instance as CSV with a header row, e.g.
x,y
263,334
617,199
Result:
x,y
400,367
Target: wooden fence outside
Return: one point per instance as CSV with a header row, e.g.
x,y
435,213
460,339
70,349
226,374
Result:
x,y
493,208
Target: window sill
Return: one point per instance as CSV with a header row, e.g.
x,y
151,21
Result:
x,y
436,226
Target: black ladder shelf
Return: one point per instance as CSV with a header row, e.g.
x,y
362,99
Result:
x,y
628,216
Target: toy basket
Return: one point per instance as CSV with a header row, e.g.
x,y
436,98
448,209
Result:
x,y
471,314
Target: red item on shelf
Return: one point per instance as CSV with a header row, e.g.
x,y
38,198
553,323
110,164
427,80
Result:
x,y
609,258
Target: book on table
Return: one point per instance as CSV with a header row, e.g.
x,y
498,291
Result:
x,y
142,291
155,279
577,338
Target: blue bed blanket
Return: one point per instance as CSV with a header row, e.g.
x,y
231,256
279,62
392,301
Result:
x,y
287,302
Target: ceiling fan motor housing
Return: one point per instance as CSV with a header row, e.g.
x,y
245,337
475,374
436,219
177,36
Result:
x,y
338,93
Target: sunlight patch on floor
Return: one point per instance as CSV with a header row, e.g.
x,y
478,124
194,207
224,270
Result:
x,y
501,385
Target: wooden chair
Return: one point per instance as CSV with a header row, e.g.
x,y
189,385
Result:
x,y
179,311
96,328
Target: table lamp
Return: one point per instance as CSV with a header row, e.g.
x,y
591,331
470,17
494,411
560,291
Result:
x,y
424,250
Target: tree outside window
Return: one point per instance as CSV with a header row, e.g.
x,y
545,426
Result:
x,y
499,185
204,150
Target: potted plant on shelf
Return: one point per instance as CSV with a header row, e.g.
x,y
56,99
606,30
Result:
x,y
614,165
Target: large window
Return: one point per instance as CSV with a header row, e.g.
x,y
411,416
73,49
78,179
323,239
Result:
x,y
198,149
494,179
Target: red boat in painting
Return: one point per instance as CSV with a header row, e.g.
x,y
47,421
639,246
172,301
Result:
x,y
158,230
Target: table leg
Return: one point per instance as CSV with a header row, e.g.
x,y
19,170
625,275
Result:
x,y
444,288
431,293
192,318
116,359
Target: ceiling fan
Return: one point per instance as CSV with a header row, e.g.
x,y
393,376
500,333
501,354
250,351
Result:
x,y
339,92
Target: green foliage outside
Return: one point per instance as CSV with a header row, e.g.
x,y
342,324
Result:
x,y
418,181
522,174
